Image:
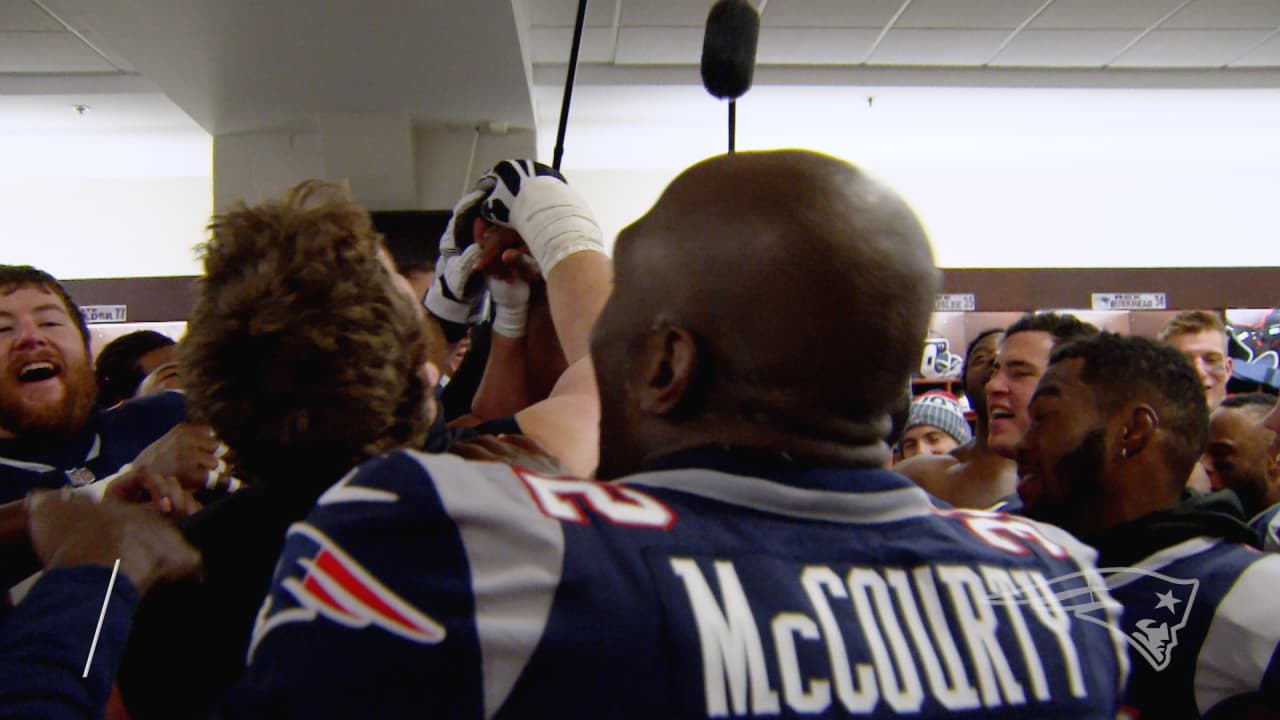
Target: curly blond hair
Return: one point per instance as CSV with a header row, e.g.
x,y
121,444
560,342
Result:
x,y
300,352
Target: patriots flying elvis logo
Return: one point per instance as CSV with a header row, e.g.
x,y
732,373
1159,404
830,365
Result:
x,y
323,580
1150,628
1156,608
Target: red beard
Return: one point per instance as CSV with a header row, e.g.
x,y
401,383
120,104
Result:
x,y
60,418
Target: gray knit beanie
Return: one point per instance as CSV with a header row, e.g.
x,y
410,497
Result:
x,y
940,410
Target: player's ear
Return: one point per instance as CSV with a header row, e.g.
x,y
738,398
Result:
x,y
664,370
1271,464
1139,429
429,374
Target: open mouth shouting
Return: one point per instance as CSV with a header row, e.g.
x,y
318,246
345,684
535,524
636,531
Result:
x,y
998,414
38,371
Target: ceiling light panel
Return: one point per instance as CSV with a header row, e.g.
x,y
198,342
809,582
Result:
x,y
937,47
1064,48
975,14
1190,48
1103,14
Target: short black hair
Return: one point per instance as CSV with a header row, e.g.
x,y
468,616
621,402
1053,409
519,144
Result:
x,y
117,367
1062,326
1121,368
973,344
15,277
1262,400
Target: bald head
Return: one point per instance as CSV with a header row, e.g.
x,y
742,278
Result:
x,y
805,285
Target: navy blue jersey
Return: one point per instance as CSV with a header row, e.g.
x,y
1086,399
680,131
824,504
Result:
x,y
1011,503
45,643
181,675
424,586
1267,525
1202,627
108,440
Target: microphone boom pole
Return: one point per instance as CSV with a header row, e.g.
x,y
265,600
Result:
x,y
568,83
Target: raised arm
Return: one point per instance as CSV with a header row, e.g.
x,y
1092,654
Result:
x,y
566,242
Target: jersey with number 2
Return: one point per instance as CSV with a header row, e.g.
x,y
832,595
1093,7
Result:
x,y
428,586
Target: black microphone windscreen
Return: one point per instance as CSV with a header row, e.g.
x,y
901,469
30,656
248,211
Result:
x,y
729,48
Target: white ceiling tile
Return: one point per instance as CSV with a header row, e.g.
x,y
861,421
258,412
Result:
x,y
937,47
563,13
1265,55
551,45
659,46
1237,14
48,52
829,13
814,46
686,13
1103,14
1064,48
993,14
18,15
1190,48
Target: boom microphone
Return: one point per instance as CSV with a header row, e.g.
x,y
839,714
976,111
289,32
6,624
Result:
x,y
729,48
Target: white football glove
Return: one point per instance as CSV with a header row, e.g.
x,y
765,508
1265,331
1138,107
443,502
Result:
x,y
551,217
455,295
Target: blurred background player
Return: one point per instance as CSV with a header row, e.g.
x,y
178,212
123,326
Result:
x,y
1238,455
1201,337
1243,456
972,475
1267,524
935,426
123,363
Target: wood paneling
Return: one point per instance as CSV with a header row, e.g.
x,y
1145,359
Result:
x,y
159,299
149,299
1053,288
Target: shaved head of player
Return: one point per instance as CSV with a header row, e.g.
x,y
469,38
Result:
x,y
723,279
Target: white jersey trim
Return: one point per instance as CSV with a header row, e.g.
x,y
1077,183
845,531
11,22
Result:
x,y
1242,637
513,593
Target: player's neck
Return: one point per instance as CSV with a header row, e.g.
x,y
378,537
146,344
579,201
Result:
x,y
810,450
980,435
1132,497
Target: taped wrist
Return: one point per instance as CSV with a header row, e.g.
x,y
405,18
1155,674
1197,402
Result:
x,y
554,221
511,320
511,307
